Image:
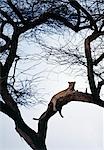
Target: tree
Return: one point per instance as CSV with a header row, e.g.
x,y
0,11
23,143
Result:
x,y
22,16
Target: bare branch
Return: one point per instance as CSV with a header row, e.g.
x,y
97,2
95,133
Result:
x,y
98,59
100,84
77,6
9,20
102,25
7,44
64,21
17,12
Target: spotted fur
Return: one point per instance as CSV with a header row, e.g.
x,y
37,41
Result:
x,y
61,94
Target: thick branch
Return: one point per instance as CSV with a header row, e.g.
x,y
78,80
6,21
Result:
x,y
29,25
29,135
43,121
7,110
90,70
7,98
12,53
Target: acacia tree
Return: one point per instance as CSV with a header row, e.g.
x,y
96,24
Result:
x,y
26,15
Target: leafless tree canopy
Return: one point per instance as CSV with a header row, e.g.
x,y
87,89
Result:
x,y
29,16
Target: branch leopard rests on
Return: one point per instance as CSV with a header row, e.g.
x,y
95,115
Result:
x,y
62,94
60,97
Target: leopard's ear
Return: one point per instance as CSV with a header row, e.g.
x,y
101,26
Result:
x,y
71,83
